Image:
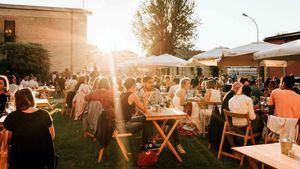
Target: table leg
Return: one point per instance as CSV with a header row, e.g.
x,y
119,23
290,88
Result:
x,y
162,127
252,163
166,139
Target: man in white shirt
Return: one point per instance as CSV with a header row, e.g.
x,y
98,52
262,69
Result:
x,y
71,83
174,88
32,83
242,103
24,82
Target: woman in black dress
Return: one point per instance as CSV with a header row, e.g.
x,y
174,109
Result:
x,y
32,134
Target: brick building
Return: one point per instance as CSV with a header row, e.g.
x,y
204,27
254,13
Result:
x,y
292,67
63,31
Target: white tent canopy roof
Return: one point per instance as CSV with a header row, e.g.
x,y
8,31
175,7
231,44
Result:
x,y
192,62
249,48
280,52
215,53
165,60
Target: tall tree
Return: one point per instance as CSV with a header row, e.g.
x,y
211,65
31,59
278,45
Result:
x,y
163,26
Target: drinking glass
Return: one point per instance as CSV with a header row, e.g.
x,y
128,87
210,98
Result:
x,y
9,107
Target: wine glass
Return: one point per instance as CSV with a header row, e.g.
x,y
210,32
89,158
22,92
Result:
x,y
9,107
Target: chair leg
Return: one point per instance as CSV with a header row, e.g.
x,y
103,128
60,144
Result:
x,y
122,147
245,144
204,121
222,141
100,154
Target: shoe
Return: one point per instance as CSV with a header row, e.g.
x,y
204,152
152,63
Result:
x,y
180,149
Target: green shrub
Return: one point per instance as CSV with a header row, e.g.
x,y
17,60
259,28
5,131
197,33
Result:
x,y
25,58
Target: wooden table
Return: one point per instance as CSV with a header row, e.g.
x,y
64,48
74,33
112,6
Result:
x,y
166,114
43,103
45,92
270,155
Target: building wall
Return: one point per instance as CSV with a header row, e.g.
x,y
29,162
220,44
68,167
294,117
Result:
x,y
62,33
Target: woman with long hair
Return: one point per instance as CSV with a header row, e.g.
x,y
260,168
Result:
x,y
32,134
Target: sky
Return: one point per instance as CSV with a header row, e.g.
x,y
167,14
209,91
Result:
x,y
110,25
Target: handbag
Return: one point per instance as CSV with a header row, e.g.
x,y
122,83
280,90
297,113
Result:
x,y
147,159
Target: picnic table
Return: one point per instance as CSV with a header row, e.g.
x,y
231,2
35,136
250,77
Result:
x,y
42,103
270,155
166,114
45,92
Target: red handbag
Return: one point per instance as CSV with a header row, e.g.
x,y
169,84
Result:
x,y
147,158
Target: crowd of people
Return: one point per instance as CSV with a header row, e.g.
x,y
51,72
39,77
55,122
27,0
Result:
x,y
126,99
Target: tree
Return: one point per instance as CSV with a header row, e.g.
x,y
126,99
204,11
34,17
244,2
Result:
x,y
25,58
163,26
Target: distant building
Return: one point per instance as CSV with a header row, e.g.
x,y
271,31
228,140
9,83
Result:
x,y
63,31
280,39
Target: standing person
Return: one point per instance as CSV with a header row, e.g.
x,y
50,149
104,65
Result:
x,y
32,134
70,87
67,74
4,93
94,73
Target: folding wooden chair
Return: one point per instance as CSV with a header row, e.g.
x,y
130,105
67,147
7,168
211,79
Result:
x,y
121,145
229,131
4,150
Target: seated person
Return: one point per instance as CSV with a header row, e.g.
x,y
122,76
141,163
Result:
x,y
32,134
242,103
128,103
4,92
284,102
104,94
155,99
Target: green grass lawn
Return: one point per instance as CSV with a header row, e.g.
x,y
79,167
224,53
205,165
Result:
x,y
78,152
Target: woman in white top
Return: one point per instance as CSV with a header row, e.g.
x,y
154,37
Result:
x,y
180,96
212,95
242,103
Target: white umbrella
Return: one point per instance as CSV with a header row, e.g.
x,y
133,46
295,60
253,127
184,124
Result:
x,y
286,51
215,53
243,55
165,60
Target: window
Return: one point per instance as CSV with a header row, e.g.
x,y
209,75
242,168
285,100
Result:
x,y
9,31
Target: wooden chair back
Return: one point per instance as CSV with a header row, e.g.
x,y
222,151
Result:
x,y
4,150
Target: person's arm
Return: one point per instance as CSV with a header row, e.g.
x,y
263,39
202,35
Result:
x,y
207,95
88,97
142,106
271,104
252,115
52,131
182,98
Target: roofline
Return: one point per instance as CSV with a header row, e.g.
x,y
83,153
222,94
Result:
x,y
286,35
44,8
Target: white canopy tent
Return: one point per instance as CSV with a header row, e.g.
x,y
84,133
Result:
x,y
165,60
192,62
212,54
243,55
286,51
